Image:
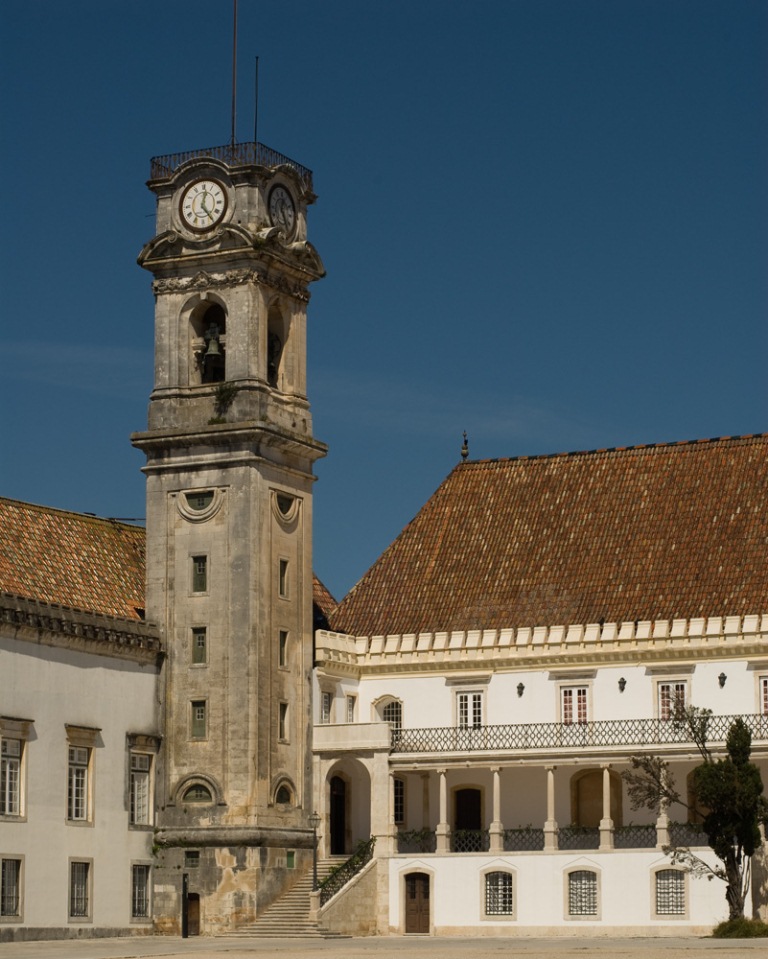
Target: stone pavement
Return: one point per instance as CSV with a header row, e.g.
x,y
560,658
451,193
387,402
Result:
x,y
400,947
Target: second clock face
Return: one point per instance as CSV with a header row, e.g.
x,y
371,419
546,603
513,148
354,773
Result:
x,y
282,212
203,204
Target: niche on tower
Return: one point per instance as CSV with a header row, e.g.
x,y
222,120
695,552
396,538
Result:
x,y
276,338
208,331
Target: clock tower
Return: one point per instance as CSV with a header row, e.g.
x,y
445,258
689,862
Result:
x,y
229,468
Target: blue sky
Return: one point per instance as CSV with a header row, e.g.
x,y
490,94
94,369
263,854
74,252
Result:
x,y
544,223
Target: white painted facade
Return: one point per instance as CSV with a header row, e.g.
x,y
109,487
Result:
x,y
96,695
538,726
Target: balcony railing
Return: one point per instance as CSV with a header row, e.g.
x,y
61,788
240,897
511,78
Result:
x,y
528,736
233,154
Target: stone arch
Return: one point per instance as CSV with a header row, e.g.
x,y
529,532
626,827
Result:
x,y
278,331
201,781
206,320
347,806
283,792
587,798
388,709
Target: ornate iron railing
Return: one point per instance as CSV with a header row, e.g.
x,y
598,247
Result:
x,y
578,837
417,841
470,840
634,837
687,834
347,870
233,154
526,736
523,839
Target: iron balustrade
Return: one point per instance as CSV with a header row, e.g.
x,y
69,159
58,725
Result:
x,y
416,841
578,837
470,840
233,154
687,834
634,837
525,736
523,839
347,870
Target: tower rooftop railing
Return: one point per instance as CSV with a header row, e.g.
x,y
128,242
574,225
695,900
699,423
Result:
x,y
234,154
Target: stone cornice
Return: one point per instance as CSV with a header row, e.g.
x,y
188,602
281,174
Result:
x,y
52,625
204,280
577,645
222,835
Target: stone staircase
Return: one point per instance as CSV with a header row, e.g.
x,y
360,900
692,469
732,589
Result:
x,y
288,916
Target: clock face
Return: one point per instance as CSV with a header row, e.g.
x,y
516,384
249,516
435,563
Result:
x,y
203,204
282,212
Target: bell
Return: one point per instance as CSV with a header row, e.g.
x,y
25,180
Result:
x,y
213,348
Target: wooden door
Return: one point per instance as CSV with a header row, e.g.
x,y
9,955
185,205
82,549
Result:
x,y
417,903
193,914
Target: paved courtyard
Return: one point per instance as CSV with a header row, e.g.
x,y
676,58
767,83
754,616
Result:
x,y
402,947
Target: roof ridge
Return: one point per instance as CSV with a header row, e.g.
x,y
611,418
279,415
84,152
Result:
x,y
87,517
669,444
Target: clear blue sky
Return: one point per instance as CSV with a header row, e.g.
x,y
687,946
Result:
x,y
544,223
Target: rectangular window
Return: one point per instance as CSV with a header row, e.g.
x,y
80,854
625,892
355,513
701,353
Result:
x,y
282,648
10,887
764,695
351,708
141,767
199,726
199,645
140,892
199,574
79,890
10,777
573,705
672,699
78,784
283,722
326,702
290,859
191,858
469,710
398,799
582,893
283,578
670,892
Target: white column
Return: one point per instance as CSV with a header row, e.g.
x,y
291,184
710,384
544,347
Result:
x,y
606,823
550,826
443,831
497,827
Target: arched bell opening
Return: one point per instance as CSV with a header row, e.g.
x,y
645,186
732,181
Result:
x,y
209,332
277,335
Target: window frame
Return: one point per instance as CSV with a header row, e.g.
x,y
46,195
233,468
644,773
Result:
x,y
762,695
392,704
282,648
399,794
87,914
568,899
351,707
574,703
283,583
12,793
137,776
146,870
283,713
194,728
199,574
18,915
196,658
466,703
498,916
79,784
325,717
682,891
666,711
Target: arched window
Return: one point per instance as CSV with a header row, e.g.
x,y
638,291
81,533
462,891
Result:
x,y
582,893
284,795
392,713
197,793
276,337
499,900
209,328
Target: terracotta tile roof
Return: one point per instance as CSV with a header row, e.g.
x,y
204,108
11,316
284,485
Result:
x,y
321,597
71,559
641,533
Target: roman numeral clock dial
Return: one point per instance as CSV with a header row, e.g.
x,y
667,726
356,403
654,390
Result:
x,y
203,205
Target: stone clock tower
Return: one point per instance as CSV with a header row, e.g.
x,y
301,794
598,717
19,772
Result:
x,y
230,457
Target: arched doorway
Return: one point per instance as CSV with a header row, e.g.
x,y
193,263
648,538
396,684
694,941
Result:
x,y
338,816
417,903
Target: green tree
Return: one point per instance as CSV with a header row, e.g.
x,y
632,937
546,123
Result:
x,y
728,794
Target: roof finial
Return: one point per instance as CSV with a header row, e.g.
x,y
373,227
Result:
x,y
465,447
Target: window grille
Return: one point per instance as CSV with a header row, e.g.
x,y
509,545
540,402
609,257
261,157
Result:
x,y
10,778
77,792
670,892
398,800
140,892
78,890
574,705
582,893
672,699
141,764
199,574
498,894
10,887
392,713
